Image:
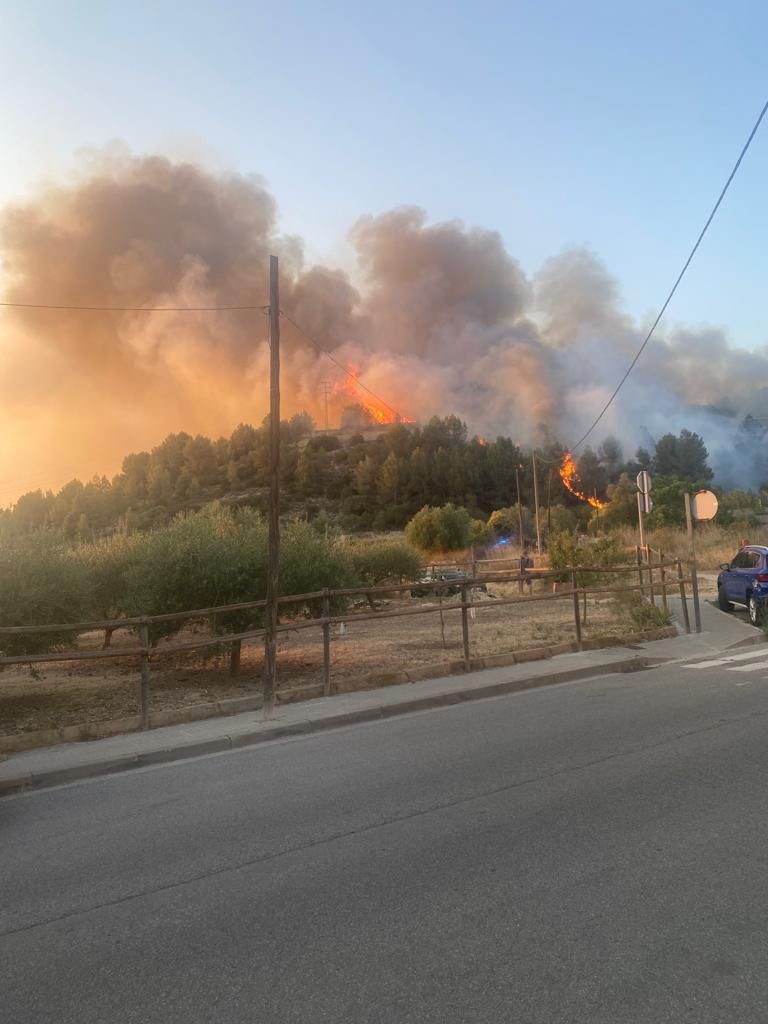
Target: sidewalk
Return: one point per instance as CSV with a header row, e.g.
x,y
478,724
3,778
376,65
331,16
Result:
x,y
52,766
718,629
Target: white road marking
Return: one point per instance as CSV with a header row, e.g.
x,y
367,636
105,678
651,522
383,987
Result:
x,y
749,668
716,662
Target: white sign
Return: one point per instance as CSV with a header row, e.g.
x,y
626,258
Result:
x,y
704,506
644,482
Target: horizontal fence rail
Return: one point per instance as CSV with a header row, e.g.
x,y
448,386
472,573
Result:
x,y
669,576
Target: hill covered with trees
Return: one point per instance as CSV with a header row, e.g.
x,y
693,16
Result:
x,y
377,481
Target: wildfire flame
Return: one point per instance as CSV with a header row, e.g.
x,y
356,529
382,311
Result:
x,y
380,412
570,478
482,441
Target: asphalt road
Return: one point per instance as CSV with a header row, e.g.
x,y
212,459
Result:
x,y
594,852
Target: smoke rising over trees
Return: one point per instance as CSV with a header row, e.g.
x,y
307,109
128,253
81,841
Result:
x,y
435,317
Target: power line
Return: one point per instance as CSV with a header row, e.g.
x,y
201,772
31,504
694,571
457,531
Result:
x,y
341,366
680,276
129,309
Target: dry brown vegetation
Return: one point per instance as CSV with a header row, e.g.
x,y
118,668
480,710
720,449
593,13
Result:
x,y
69,693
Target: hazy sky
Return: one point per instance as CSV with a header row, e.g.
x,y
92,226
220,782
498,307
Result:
x,y
606,124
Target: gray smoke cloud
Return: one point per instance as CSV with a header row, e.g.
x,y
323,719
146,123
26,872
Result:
x,y
438,318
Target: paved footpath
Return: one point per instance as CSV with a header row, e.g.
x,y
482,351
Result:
x,y
70,762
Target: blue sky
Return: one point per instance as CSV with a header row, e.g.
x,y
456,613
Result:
x,y
602,124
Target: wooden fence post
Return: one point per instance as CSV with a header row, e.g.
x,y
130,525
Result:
x,y
235,650
465,627
651,592
663,583
638,555
576,614
681,578
326,644
144,690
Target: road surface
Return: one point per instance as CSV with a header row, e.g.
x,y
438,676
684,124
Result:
x,y
591,853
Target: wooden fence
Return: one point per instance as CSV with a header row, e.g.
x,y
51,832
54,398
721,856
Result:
x,y
655,581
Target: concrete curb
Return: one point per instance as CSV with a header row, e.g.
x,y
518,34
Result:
x,y
26,781
18,743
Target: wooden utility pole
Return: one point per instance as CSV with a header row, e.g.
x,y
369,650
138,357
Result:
x,y
536,500
325,387
273,558
519,509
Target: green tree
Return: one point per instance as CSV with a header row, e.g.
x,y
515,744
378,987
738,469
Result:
x,y
622,503
107,562
42,582
611,455
440,529
31,510
684,457
390,484
378,562
505,522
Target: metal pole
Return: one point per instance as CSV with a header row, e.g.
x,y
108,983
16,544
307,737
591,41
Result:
x,y
536,501
683,598
273,559
694,578
640,518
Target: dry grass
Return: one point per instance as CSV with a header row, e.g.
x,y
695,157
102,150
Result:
x,y
70,693
714,544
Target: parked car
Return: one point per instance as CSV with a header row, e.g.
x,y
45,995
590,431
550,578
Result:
x,y
442,581
745,581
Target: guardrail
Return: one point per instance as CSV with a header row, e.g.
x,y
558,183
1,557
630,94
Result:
x,y
573,578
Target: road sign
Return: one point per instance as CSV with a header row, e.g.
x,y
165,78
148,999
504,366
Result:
x,y
704,506
646,503
644,482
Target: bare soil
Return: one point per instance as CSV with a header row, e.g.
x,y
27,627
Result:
x,y
52,695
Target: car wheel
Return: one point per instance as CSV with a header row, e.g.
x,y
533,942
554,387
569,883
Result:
x,y
722,601
756,611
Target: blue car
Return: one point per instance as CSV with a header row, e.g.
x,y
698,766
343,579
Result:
x,y
745,581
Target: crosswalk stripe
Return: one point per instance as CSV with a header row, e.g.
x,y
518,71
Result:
x,y
727,660
749,668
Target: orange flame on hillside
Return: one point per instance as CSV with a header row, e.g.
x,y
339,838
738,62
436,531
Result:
x,y
482,441
570,477
381,412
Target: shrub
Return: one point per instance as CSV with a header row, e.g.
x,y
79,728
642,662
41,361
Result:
x,y
639,613
566,551
219,557
42,582
480,533
107,563
308,563
447,528
385,561
214,557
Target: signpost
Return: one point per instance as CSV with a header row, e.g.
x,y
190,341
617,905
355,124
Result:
x,y
702,508
644,502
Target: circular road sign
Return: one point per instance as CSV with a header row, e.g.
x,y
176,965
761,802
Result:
x,y
703,506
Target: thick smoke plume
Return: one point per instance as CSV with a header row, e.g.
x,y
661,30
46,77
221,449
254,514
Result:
x,y
437,319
